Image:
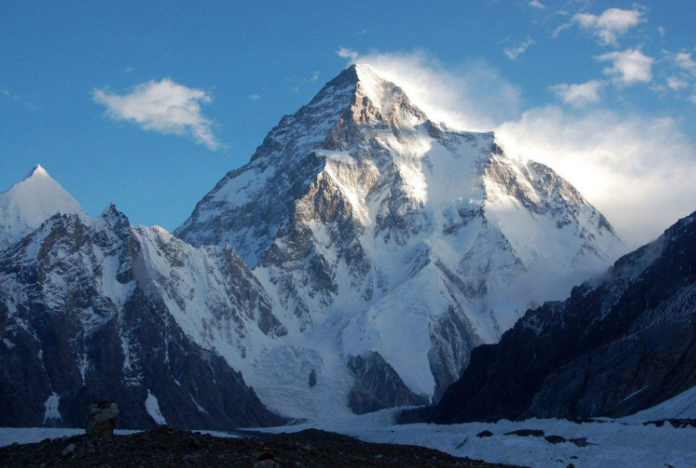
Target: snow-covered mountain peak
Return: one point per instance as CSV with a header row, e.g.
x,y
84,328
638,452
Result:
x,y
372,225
37,171
30,202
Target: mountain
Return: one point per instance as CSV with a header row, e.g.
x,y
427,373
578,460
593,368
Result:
x,y
619,344
385,238
94,309
29,203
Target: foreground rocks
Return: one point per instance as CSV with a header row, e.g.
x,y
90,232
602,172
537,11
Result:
x,y
168,447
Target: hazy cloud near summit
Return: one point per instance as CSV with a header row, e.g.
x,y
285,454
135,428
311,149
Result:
x,y
162,106
472,97
638,171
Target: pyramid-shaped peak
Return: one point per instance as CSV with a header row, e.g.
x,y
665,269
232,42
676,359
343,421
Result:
x,y
37,171
27,204
360,81
109,210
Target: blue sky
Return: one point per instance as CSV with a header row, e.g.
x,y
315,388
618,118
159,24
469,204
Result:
x,y
601,90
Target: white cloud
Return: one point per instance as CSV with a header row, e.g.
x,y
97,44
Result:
x,y
610,25
578,95
4,92
685,62
472,96
164,107
629,67
255,97
537,4
638,171
676,84
344,52
514,52
313,78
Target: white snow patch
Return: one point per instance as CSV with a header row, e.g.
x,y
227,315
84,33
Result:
x,y
51,405
153,409
199,407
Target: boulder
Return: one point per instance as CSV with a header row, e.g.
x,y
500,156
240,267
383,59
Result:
x,y
101,419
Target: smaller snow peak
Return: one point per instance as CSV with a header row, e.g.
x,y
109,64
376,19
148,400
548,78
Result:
x,y
37,171
113,216
30,202
109,210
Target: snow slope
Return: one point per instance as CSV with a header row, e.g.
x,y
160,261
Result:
x,y
682,406
29,203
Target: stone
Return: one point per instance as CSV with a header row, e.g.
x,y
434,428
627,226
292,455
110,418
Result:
x,y
196,442
265,455
101,419
483,434
69,450
308,448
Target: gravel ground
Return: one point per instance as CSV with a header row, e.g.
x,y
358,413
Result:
x,y
168,447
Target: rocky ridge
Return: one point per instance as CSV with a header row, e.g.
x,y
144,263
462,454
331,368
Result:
x,y
618,345
94,309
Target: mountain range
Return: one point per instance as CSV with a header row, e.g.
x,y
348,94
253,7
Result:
x,y
352,265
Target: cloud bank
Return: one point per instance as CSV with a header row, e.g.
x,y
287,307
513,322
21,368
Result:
x,y
638,171
162,106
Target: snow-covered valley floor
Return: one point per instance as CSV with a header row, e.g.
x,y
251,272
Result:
x,y
618,443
